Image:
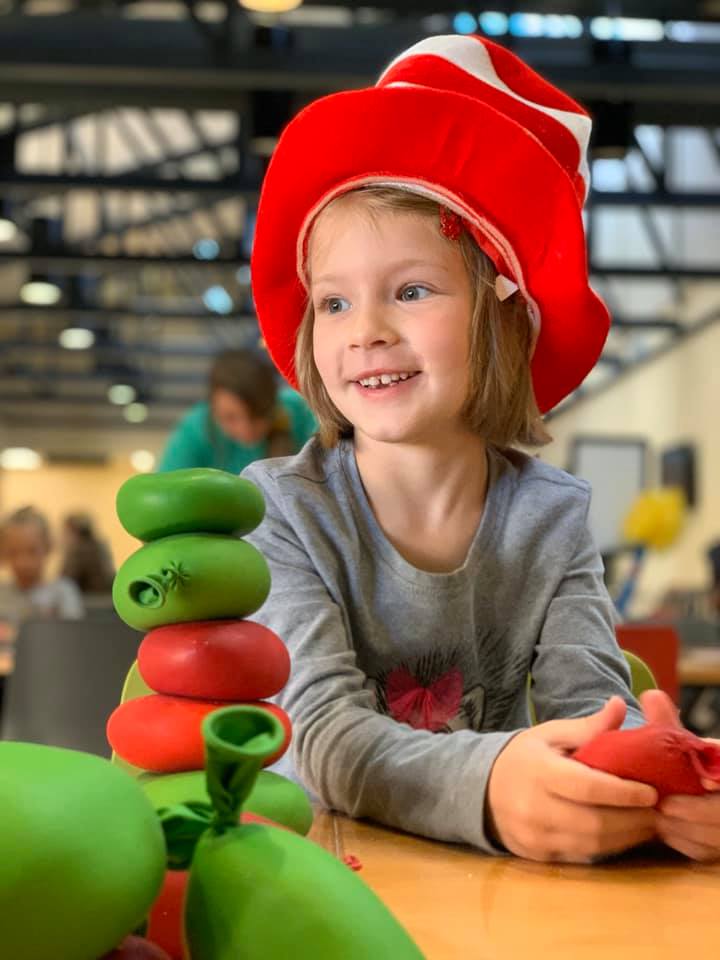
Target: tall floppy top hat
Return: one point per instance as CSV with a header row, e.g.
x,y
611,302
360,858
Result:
x,y
466,122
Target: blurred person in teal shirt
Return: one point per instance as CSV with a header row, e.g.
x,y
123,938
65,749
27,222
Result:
x,y
247,417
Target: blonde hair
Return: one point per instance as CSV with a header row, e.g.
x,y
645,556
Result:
x,y
501,405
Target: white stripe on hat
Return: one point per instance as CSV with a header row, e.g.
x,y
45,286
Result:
x,y
471,55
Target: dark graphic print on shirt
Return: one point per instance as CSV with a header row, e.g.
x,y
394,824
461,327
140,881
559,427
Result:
x,y
443,692
429,694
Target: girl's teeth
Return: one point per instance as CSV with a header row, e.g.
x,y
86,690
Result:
x,y
385,379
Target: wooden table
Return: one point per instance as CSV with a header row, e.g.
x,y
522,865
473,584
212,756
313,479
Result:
x,y
461,905
699,667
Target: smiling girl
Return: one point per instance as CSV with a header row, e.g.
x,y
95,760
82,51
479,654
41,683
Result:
x,y
419,271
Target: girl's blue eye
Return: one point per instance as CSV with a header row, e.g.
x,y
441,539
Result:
x,y
414,291
335,304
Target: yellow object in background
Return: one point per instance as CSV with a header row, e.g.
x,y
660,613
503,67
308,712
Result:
x,y
656,518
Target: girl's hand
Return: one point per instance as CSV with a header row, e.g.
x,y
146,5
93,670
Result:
x,y
690,825
542,805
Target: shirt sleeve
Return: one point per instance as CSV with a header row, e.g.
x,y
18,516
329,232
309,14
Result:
x,y
70,602
578,665
352,758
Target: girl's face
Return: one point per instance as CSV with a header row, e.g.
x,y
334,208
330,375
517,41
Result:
x,y
233,417
25,551
393,304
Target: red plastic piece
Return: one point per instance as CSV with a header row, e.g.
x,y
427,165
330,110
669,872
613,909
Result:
x,y
214,660
163,734
352,861
672,760
659,647
165,923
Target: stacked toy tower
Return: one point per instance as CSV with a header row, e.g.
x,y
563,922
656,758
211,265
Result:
x,y
190,586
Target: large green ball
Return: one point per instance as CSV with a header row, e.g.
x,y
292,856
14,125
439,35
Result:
x,y
198,500
259,892
82,854
190,577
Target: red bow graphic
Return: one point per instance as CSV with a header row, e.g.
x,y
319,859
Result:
x,y
424,708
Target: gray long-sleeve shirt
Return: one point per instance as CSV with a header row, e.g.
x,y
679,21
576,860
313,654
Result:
x,y
406,684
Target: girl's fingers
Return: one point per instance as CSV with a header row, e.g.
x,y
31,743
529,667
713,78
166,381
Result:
x,y
704,811
700,836
570,780
689,845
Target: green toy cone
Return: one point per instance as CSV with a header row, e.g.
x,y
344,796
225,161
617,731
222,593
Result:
x,y
258,892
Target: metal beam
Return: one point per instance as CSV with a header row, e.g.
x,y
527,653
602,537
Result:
x,y
640,271
81,261
98,403
94,57
688,331
126,350
9,312
66,261
249,188
646,323
653,198
32,183
136,376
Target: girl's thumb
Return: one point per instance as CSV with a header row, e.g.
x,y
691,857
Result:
x,y
659,708
571,734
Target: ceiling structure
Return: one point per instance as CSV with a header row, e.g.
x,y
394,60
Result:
x,y
134,138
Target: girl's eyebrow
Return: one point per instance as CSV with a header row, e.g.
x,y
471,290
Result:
x,y
391,268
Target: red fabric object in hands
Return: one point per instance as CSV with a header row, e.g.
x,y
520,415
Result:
x,y
672,760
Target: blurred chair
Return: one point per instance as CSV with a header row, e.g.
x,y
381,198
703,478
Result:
x,y
68,678
696,632
658,646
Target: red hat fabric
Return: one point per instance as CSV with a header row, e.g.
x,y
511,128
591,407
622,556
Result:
x,y
466,122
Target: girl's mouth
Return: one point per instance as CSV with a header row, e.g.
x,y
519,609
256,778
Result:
x,y
385,381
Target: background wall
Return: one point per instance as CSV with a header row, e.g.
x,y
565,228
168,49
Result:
x,y
674,398
58,489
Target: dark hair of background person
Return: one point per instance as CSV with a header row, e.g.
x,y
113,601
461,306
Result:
x,y
87,559
252,379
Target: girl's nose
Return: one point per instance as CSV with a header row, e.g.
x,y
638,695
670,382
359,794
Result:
x,y
371,327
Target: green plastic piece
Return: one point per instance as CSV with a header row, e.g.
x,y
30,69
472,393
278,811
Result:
x,y
134,686
641,676
257,892
155,505
190,577
272,796
82,855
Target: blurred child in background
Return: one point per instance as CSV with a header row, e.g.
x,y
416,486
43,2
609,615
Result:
x,y
87,560
28,593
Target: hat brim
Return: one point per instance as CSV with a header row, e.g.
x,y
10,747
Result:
x,y
487,166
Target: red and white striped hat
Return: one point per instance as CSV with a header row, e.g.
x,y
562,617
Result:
x,y
465,121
